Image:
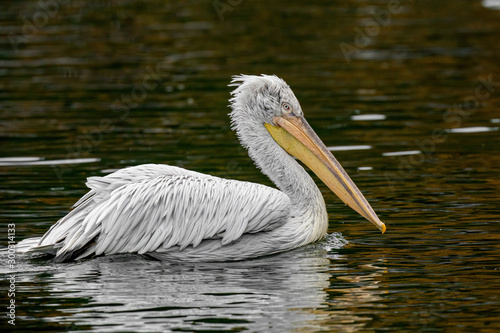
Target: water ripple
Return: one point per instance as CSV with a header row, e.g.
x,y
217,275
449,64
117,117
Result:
x,y
402,153
11,161
353,147
368,117
475,129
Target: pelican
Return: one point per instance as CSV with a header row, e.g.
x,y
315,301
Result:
x,y
175,214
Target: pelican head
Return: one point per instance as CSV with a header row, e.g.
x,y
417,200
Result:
x,y
266,106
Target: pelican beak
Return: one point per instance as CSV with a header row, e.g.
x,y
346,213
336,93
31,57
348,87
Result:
x,y
295,135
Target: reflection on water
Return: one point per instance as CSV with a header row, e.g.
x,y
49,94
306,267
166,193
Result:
x,y
402,153
355,147
476,129
11,161
411,113
273,293
492,4
366,117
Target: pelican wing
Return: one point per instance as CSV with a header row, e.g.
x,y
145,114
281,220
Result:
x,y
156,207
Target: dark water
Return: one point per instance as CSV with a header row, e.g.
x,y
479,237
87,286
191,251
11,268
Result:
x,y
406,93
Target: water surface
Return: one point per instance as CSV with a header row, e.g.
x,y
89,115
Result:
x,y
411,112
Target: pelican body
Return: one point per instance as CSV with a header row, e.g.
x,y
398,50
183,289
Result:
x,y
175,214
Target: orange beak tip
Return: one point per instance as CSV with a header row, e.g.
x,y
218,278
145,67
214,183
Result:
x,y
383,228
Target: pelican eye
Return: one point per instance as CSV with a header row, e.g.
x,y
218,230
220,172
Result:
x,y
286,107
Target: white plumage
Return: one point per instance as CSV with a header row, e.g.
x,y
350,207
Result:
x,y
175,214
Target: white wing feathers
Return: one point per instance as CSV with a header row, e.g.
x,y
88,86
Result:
x,y
155,207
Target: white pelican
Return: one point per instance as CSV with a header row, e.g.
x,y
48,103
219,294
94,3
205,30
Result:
x,y
175,214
